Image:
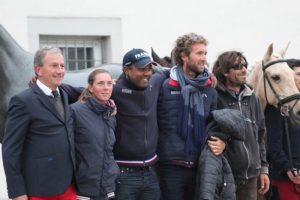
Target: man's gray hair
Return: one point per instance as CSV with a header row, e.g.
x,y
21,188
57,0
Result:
x,y
41,53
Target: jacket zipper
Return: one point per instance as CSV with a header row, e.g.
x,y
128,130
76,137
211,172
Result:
x,y
247,152
145,139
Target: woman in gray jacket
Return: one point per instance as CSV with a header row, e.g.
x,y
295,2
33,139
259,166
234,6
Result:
x,y
94,125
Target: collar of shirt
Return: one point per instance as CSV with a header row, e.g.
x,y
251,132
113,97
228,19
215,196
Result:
x,y
45,89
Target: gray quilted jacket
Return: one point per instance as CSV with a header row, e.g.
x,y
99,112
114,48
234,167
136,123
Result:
x,y
215,179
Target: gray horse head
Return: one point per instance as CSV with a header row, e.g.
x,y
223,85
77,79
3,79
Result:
x,y
16,69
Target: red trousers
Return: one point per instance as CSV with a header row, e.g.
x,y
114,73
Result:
x,y
69,194
287,190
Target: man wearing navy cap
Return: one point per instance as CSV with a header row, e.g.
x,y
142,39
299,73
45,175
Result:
x,y
135,94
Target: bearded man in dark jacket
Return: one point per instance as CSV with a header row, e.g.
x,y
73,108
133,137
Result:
x,y
247,158
184,106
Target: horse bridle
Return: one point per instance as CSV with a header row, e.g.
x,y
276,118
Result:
x,y
282,103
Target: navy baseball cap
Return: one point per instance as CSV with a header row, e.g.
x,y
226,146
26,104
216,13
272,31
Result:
x,y
137,57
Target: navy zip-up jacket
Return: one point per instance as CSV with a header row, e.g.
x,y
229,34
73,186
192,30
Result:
x,y
137,130
170,144
96,170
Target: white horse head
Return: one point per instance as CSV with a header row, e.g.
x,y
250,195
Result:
x,y
281,79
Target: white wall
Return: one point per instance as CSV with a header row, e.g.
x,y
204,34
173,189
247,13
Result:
x,y
247,25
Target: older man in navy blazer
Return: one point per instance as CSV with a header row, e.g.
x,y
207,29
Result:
x,y
38,147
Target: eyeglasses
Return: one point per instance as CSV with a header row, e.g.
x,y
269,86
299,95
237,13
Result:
x,y
239,66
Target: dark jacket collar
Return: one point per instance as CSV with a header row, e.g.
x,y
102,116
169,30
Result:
x,y
98,107
46,102
245,90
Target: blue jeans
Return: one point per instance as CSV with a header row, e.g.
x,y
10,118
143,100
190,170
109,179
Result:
x,y
137,184
177,182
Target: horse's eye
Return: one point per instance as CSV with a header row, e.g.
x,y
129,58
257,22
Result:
x,y
275,77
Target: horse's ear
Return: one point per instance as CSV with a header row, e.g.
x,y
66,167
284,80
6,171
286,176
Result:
x,y
154,55
268,53
173,57
282,52
157,59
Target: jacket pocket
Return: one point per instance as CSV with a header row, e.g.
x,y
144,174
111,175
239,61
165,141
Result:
x,y
51,168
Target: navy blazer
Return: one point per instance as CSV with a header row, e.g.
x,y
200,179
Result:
x,y
38,145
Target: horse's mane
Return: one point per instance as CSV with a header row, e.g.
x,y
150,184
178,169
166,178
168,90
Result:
x,y
255,80
252,74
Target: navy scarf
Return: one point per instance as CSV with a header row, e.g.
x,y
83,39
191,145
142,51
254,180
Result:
x,y
104,110
191,122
